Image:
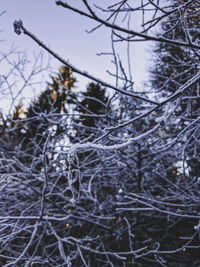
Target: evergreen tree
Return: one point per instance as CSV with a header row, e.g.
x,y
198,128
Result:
x,y
178,161
173,67
43,115
93,110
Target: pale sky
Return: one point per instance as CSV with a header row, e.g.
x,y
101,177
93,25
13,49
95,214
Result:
x,y
65,33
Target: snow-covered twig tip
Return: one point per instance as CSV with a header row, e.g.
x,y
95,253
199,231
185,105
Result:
x,y
18,26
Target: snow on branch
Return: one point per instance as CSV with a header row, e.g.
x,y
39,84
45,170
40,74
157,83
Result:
x,y
76,147
19,28
113,26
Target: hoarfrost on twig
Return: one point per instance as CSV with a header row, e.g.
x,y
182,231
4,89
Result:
x,y
17,24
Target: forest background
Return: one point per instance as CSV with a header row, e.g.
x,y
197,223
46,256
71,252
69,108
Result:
x,y
107,173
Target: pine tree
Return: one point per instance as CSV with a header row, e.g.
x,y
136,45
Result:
x,y
92,110
173,67
42,116
178,163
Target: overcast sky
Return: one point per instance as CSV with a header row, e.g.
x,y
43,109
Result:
x,y
65,33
